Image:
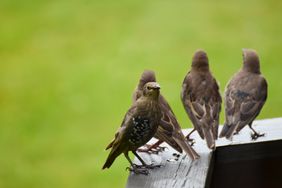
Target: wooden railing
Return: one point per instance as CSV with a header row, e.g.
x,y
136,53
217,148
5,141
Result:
x,y
241,162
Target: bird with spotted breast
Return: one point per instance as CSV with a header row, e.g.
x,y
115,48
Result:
x,y
169,130
201,99
245,96
138,127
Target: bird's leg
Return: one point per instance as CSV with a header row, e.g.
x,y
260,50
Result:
x,y
255,135
151,166
155,148
192,141
134,168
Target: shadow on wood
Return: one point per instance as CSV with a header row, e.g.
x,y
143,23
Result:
x,y
241,162
249,165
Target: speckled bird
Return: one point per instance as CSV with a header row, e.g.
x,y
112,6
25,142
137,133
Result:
x,y
201,99
169,130
138,127
245,96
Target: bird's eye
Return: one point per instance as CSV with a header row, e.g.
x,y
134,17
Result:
x,y
148,87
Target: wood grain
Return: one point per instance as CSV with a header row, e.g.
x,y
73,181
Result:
x,y
186,173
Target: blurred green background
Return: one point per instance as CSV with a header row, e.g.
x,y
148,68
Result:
x,y
68,69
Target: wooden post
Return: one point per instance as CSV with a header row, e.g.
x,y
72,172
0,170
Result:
x,y
241,162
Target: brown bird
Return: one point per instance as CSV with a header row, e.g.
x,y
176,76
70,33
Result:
x,y
138,127
169,130
245,96
201,99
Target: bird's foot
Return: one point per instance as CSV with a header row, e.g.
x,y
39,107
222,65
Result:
x,y
139,166
236,133
152,150
138,170
191,141
256,135
152,166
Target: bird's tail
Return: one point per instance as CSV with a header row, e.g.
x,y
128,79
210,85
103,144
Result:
x,y
215,131
169,140
209,137
187,148
228,131
110,145
111,158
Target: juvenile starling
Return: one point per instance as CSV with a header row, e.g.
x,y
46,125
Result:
x,y
201,99
138,127
169,130
245,96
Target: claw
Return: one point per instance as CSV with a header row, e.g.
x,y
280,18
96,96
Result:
x,y
152,150
137,170
191,141
152,166
255,136
138,166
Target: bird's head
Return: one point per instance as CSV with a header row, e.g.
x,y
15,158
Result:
x,y
200,61
251,61
147,76
151,89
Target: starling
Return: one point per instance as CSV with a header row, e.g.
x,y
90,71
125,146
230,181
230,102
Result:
x,y
169,130
138,127
245,96
201,99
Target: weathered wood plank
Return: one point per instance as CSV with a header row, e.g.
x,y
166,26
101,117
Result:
x,y
184,172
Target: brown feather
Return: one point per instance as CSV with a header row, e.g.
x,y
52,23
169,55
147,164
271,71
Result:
x,y
201,98
169,130
139,124
245,95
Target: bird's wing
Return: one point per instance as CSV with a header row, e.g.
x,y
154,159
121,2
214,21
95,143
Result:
x,y
168,125
242,107
232,117
185,88
215,107
177,140
123,125
230,105
194,109
251,107
170,131
117,143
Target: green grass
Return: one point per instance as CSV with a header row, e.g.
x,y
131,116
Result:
x,y
68,69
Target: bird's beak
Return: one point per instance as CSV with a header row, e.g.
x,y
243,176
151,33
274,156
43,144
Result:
x,y
244,50
157,86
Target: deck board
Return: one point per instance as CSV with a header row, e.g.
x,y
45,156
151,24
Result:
x,y
187,173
